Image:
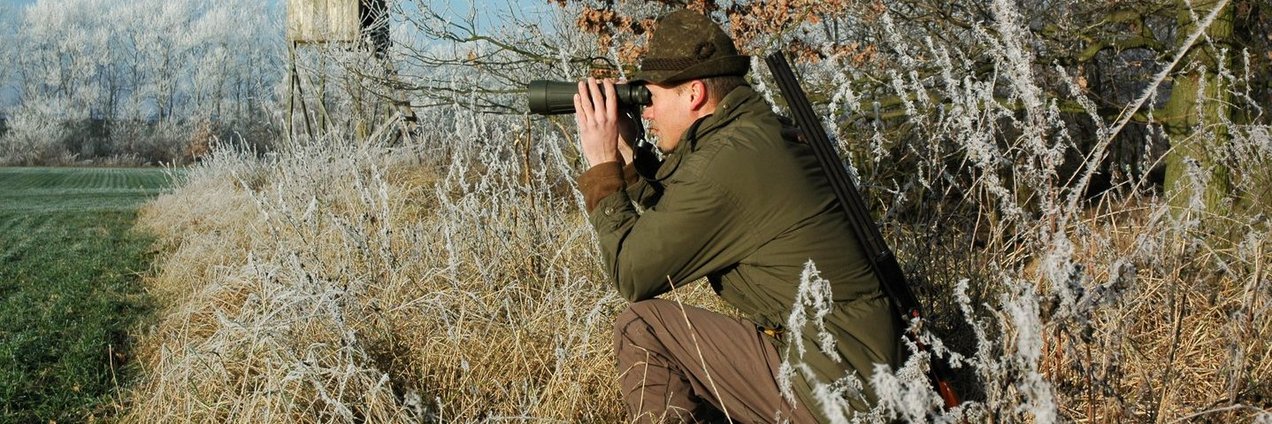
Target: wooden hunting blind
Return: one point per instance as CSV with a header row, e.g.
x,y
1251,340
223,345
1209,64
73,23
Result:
x,y
359,25
338,21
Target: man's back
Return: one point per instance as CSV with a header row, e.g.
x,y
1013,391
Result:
x,y
788,216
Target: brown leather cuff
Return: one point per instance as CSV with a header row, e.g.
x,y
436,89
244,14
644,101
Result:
x,y
600,181
629,174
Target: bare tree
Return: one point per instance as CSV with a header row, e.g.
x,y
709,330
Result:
x,y
151,70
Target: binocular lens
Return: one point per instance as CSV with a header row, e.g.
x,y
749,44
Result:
x,y
557,97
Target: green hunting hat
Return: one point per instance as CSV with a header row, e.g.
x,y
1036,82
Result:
x,y
687,45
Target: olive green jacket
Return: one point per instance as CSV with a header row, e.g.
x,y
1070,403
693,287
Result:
x,y
746,207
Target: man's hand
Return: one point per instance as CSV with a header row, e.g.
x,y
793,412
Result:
x,y
601,124
628,122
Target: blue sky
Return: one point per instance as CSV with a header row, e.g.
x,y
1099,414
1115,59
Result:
x,y
493,8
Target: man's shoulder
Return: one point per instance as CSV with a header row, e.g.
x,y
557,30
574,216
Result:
x,y
745,135
737,154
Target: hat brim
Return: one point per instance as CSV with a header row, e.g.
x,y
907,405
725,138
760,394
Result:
x,y
720,66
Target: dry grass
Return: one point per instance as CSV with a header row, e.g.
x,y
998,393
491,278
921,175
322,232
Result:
x,y
338,283
456,280
1181,331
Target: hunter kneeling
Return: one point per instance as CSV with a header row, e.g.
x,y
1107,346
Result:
x,y
736,199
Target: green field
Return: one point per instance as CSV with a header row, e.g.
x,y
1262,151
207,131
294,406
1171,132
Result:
x,y
70,288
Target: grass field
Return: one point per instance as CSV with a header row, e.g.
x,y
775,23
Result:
x,y
70,267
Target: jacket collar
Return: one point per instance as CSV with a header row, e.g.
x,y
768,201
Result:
x,y
730,109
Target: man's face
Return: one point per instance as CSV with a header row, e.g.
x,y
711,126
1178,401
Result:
x,y
669,114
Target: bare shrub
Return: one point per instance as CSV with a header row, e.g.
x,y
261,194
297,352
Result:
x,y
200,143
34,137
1055,304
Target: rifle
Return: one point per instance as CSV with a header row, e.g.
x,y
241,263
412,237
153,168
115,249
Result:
x,y
882,261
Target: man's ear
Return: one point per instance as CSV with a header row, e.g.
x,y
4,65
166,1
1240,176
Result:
x,y
697,95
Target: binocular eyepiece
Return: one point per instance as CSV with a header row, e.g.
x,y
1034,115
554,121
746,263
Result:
x,y
557,97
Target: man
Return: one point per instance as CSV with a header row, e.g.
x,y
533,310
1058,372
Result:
x,y
734,201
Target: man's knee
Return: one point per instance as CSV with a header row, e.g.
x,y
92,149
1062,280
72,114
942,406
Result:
x,y
637,324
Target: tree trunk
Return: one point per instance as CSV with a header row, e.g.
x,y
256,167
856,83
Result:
x,y
1196,114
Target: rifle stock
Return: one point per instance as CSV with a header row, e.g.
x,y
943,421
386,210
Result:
x,y
883,262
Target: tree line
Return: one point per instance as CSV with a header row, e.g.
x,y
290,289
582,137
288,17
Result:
x,y
136,82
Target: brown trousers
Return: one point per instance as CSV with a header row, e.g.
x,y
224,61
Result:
x,y
679,363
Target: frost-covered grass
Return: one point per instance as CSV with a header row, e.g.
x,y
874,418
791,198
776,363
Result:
x,y
456,279
1055,303
344,280
453,276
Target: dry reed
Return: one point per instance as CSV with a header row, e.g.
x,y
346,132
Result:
x,y
453,277
344,282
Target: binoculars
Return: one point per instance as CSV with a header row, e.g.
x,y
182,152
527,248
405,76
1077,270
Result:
x,y
557,97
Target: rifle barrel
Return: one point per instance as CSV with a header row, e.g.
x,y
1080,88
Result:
x,y
883,262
